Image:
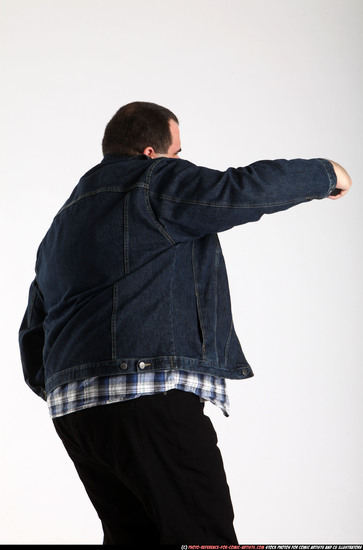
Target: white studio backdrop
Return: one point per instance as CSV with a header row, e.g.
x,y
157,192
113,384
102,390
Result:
x,y
248,79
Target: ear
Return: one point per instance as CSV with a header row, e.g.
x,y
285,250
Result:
x,y
149,152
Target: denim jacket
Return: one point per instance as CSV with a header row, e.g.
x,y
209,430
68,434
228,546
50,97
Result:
x,y
130,276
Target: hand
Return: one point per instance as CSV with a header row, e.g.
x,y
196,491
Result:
x,y
344,182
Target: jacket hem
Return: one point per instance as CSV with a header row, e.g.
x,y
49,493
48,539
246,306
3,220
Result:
x,y
140,365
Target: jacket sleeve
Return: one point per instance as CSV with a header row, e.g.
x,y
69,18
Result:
x,y
190,201
31,341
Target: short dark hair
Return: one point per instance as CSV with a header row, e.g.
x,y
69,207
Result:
x,y
136,126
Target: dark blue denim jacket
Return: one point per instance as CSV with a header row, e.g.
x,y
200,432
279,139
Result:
x,y
130,276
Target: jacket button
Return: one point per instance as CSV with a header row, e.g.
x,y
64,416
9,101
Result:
x,y
142,365
244,372
123,366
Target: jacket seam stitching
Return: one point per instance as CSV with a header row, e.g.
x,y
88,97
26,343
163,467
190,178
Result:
x,y
216,269
126,235
229,205
171,304
226,350
150,210
197,296
101,190
31,305
113,321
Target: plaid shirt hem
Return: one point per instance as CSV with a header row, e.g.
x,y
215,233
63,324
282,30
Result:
x,y
103,390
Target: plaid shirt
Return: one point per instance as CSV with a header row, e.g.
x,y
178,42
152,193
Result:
x,y
103,390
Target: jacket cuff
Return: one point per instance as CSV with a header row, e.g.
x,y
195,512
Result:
x,y
329,169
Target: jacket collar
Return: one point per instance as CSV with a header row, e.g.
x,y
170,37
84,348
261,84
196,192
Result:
x,y
112,157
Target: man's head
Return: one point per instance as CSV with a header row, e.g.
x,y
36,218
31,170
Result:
x,y
142,128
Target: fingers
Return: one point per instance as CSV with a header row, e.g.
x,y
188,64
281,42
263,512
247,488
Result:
x,y
338,195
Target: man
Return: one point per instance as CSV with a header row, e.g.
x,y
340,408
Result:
x,y
128,329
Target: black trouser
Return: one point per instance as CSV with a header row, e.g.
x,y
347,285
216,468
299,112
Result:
x,y
152,469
